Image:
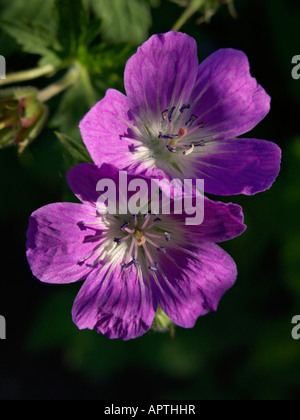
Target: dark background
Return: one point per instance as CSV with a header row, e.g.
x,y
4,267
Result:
x,y
243,351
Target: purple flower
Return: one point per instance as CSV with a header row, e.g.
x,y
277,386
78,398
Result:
x,y
132,264
180,119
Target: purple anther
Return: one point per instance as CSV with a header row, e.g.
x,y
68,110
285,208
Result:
x,y
187,106
171,149
162,249
190,121
124,226
171,113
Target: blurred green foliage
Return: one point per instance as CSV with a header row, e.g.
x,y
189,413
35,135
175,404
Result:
x,y
245,349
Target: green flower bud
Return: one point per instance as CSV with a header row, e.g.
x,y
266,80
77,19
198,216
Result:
x,y
162,323
22,117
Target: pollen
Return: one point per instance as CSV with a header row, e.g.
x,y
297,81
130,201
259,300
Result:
x,y
140,237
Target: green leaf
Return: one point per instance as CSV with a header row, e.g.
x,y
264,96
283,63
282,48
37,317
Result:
x,y
35,37
123,21
72,20
77,150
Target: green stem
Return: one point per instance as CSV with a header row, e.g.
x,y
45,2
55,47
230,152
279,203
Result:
x,y
69,79
193,7
30,74
87,85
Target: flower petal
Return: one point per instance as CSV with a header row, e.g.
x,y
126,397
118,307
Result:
x,y
104,130
226,97
193,281
238,166
222,222
57,243
117,303
161,73
83,180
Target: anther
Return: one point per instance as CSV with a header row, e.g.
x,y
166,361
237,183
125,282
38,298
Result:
x,y
164,114
171,149
124,265
200,143
153,267
187,106
162,249
201,124
171,113
167,136
167,236
124,226
190,121
190,150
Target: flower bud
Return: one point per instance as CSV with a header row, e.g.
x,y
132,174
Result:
x,y
162,323
22,117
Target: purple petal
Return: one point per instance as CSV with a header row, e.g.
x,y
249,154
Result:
x,y
104,130
57,243
222,222
194,281
162,72
115,302
226,97
238,166
83,180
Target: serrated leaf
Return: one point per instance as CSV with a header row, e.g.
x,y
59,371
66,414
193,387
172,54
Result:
x,y
123,21
35,37
77,150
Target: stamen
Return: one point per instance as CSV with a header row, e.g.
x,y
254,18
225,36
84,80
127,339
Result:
x,y
190,150
170,148
201,124
124,265
152,268
167,136
119,240
148,255
187,106
192,118
200,143
163,249
154,223
146,221
167,236
164,114
171,113
124,226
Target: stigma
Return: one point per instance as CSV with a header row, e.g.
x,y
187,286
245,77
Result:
x,y
177,124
